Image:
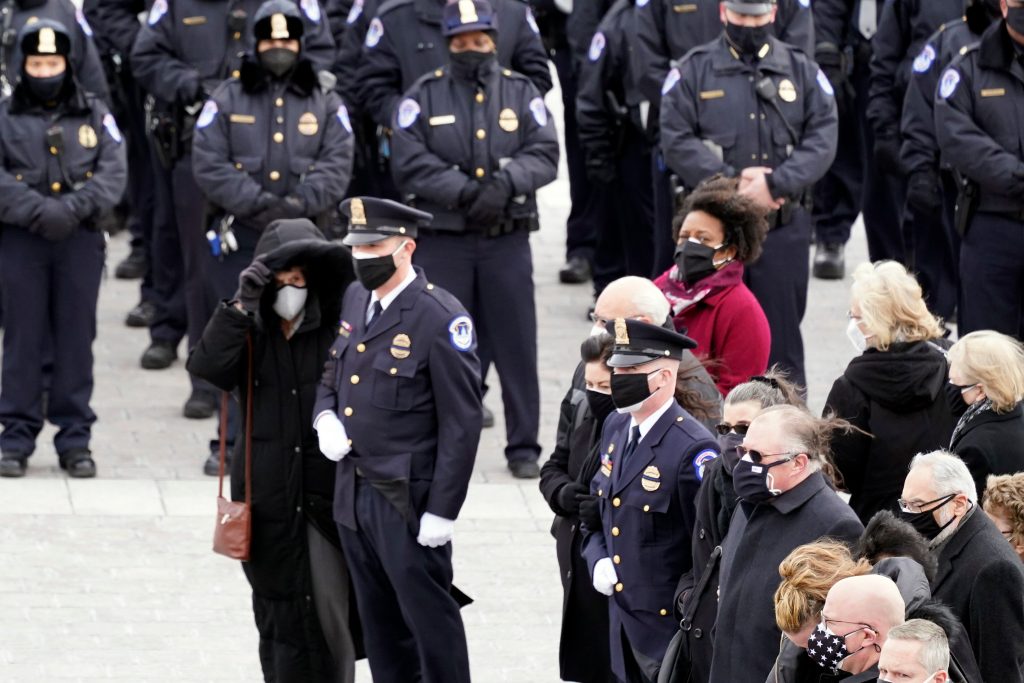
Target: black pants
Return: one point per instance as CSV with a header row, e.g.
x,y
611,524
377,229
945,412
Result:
x,y
936,252
48,286
170,321
664,211
412,629
992,275
140,193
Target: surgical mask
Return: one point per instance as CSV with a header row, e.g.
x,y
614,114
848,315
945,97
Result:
x,y
856,337
630,391
46,90
727,444
695,261
828,650
374,271
748,39
470,65
278,60
290,301
925,522
601,405
753,482
1015,18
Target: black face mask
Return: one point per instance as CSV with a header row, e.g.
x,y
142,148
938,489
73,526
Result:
x,y
629,391
278,60
751,482
695,261
46,90
727,443
748,39
925,522
375,271
1015,18
601,405
470,65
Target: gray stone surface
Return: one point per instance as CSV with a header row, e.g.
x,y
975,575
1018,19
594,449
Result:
x,y
114,579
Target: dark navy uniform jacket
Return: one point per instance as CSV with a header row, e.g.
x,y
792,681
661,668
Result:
x,y
258,135
94,173
647,516
836,22
713,121
116,23
448,132
902,31
920,151
668,29
188,44
350,51
84,58
408,392
979,122
404,41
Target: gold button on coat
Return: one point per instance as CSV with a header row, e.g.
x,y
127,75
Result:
x,y
236,73
279,101
615,531
618,588
348,412
616,502
274,175
355,379
55,187
360,347
279,137
394,371
481,134
647,508
480,173
617,560
479,97
663,612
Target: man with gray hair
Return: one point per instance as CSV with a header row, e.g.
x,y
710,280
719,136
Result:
x,y
915,652
979,576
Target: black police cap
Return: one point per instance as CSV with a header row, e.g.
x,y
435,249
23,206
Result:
x,y
278,20
754,7
638,342
463,16
372,220
45,38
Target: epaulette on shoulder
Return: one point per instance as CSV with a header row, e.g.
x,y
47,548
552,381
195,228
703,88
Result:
x,y
443,297
390,5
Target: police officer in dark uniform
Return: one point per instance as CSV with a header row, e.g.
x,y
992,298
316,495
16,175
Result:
x,y
399,407
653,456
269,144
749,105
62,162
472,143
980,130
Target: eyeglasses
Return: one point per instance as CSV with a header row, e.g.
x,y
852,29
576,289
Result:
x,y
915,508
724,428
758,456
861,626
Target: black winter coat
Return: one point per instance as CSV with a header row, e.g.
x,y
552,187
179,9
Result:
x,y
292,483
898,397
992,444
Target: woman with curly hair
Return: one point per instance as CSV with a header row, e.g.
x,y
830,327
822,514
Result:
x,y
1004,505
719,233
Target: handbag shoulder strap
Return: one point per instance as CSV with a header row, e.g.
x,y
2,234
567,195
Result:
x,y
223,441
701,586
248,422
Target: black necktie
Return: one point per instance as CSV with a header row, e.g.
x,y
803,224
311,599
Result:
x,y
375,312
634,439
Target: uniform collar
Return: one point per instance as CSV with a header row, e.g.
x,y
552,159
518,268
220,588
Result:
x,y
393,294
648,424
728,58
996,50
303,80
75,101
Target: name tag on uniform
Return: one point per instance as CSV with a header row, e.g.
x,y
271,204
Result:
x,y
193,21
242,118
445,120
993,92
684,9
712,94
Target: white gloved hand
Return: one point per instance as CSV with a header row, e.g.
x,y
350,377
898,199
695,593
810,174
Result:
x,y
332,436
435,531
605,577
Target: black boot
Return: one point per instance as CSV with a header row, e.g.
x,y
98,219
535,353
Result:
x,y
78,463
488,421
524,469
575,271
828,261
159,355
211,467
134,265
141,315
13,464
200,405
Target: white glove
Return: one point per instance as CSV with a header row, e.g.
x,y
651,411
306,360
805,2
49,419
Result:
x,y
605,577
332,436
435,531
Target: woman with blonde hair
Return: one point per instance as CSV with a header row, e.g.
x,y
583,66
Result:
x,y
893,391
1004,505
988,369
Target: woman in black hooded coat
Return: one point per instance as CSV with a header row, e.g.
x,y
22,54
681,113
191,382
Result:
x,y
299,581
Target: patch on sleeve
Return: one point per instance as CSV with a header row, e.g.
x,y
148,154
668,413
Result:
x,y
924,59
460,331
344,119
539,111
825,84
531,21
670,81
642,3
805,3
950,80
111,125
157,11
311,8
353,14
207,115
596,47
80,17
701,461
374,33
408,112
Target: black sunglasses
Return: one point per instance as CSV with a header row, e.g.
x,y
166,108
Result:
x,y
724,428
758,456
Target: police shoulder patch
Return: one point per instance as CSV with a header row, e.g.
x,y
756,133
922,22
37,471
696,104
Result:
x,y
353,14
207,115
408,112
670,80
532,21
701,460
950,80
539,111
924,59
642,3
311,8
157,11
111,125
375,32
80,17
805,3
344,118
597,44
825,84
460,332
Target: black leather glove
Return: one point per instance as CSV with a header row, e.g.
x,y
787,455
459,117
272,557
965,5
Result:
x,y
273,208
568,497
53,220
887,154
293,206
251,283
601,171
590,511
924,195
490,203
469,193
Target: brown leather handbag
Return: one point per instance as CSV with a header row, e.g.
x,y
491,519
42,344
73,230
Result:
x,y
232,534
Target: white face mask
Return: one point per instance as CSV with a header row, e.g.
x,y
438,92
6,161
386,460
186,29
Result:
x,y
597,331
856,337
290,301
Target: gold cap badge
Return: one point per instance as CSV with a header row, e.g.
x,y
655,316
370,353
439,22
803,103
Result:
x,y
621,334
358,212
47,41
278,26
467,12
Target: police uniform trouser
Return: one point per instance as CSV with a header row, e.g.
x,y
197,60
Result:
x,y
140,193
48,286
493,279
992,275
169,319
189,213
664,210
412,630
779,281
935,251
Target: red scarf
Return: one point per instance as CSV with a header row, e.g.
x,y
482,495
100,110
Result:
x,y
681,296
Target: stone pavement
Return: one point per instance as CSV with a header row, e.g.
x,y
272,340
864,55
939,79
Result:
x,y
114,578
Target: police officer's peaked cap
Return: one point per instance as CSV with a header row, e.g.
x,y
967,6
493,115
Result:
x,y
372,220
463,16
754,7
278,19
45,37
638,342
